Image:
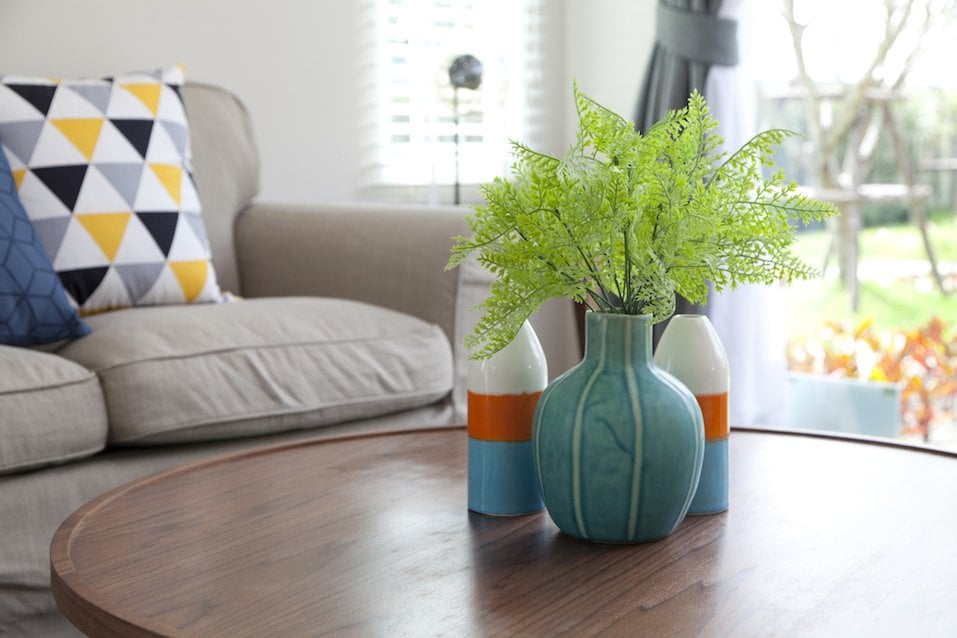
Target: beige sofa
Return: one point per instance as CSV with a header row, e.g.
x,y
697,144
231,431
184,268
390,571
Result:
x,y
348,321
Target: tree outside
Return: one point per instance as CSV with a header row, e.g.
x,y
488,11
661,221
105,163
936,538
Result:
x,y
878,110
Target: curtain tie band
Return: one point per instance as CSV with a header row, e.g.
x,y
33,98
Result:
x,y
700,37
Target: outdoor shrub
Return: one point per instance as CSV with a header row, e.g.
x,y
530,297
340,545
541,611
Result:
x,y
923,361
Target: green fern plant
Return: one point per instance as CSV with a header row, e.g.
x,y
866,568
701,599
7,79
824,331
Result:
x,y
624,221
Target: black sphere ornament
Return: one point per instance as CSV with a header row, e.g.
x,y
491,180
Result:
x,y
465,72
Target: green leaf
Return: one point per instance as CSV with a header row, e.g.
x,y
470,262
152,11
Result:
x,y
624,220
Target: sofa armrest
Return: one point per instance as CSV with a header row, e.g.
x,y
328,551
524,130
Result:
x,y
390,256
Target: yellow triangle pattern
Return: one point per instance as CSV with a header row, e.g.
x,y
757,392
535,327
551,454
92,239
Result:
x,y
171,177
191,276
18,176
82,132
106,229
148,94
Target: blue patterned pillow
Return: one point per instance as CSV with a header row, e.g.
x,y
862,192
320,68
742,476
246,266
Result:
x,y
34,308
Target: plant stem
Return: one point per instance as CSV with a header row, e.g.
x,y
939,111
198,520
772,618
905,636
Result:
x,y
588,262
627,301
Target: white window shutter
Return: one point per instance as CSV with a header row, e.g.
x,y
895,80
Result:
x,y
408,46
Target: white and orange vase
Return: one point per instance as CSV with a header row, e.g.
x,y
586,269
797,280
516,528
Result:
x,y
503,391
692,352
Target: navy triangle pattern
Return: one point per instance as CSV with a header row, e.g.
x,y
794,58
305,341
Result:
x,y
39,95
162,227
63,181
82,283
138,132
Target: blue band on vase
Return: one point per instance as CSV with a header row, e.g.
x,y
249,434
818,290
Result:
x,y
712,493
502,479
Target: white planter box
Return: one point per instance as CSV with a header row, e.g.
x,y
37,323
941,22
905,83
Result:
x,y
816,402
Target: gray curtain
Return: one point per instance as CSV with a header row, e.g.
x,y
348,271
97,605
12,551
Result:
x,y
689,39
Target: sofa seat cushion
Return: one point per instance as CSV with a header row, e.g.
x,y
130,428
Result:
x,y
175,374
51,410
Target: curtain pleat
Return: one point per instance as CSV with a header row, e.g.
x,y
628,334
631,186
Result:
x,y
671,77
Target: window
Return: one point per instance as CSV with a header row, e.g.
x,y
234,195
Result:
x,y
884,327
413,105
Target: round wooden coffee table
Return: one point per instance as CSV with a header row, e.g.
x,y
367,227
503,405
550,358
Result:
x,y
370,536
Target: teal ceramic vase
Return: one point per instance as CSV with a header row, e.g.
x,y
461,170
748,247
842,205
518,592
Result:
x,y
618,442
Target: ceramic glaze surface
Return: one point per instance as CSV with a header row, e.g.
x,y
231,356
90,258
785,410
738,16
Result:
x,y
618,441
502,480
691,350
503,391
519,367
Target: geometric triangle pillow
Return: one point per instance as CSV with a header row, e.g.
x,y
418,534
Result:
x,y
102,167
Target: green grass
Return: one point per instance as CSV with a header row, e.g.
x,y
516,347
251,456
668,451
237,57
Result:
x,y
887,295
889,242
808,305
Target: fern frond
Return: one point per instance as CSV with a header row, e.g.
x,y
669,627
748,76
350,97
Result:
x,y
628,219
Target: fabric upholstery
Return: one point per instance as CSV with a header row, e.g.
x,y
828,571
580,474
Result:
x,y
226,168
103,170
390,256
364,252
698,36
179,374
680,63
51,411
34,308
690,38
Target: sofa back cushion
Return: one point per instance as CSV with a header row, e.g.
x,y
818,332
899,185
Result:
x,y
225,168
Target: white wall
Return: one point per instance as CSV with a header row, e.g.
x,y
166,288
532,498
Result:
x,y
288,60
294,64
607,47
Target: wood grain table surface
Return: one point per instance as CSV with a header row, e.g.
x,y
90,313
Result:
x,y
370,536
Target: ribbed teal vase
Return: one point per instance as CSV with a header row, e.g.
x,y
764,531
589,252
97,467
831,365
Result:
x,y
618,442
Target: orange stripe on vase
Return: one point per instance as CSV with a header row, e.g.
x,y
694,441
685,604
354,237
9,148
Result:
x,y
716,412
501,417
